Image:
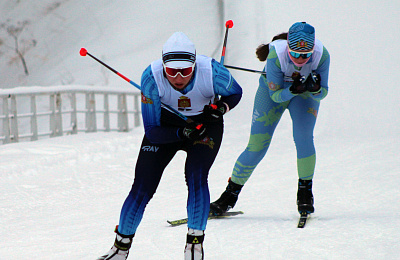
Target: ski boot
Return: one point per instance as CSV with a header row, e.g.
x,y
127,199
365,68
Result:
x,y
227,200
305,199
120,249
194,245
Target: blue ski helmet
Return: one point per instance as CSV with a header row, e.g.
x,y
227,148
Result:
x,y
301,37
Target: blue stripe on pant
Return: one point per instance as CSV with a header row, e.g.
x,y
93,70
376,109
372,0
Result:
x,y
150,165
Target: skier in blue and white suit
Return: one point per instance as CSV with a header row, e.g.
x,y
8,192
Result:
x,y
202,90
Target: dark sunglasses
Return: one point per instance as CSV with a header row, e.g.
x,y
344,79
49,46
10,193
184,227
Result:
x,y
304,55
298,55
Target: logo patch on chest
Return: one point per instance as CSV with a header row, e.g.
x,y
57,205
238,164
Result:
x,y
184,104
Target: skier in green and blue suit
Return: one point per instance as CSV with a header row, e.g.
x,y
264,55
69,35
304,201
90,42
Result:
x,y
296,79
202,90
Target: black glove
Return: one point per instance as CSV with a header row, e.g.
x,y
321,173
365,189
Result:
x,y
214,112
298,85
193,131
313,83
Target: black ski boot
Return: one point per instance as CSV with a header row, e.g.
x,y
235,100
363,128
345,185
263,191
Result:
x,y
227,200
305,199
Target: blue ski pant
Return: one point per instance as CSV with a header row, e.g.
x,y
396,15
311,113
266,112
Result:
x,y
152,160
303,111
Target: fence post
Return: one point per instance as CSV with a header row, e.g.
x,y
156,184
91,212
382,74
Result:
x,y
6,121
14,119
122,113
55,116
136,112
59,125
106,113
91,124
52,115
74,119
34,127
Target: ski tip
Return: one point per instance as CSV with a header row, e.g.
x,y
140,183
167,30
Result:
x,y
178,222
228,213
303,219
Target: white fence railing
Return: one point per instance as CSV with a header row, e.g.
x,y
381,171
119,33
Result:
x,y
29,113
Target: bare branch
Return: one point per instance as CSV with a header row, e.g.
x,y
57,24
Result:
x,y
14,32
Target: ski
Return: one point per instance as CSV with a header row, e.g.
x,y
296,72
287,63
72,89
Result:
x,y
303,219
182,221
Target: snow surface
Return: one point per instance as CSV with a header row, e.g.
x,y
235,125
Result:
x,y
61,197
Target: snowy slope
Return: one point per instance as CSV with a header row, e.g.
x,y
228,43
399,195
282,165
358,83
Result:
x,y
61,197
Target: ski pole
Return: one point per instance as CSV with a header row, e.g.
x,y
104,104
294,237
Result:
x,y
249,70
84,52
228,24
